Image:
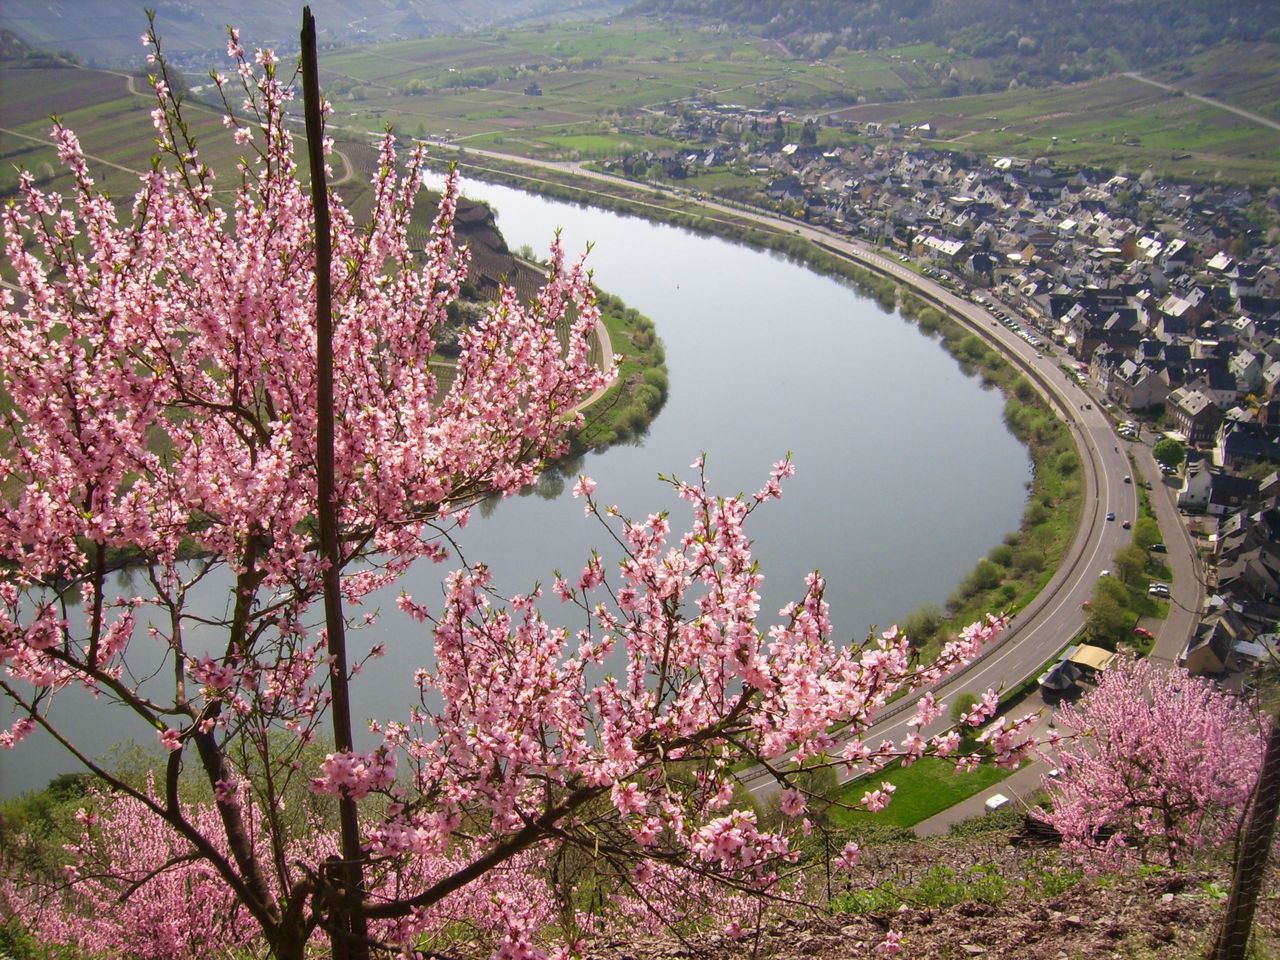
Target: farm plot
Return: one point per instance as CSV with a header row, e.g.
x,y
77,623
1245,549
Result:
x,y
1115,123
33,94
1242,75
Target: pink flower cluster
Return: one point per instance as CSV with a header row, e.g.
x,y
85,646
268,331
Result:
x,y
355,774
1161,764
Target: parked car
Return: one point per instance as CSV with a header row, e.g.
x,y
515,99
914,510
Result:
x,y
995,802
1159,548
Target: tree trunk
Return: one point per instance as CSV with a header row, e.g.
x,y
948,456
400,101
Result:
x,y
348,929
1252,856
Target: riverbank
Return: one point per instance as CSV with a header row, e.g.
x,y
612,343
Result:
x,y
625,410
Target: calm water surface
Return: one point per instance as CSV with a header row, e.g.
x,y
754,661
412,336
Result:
x,y
905,473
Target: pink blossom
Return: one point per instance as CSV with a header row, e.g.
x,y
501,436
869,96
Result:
x,y
170,739
1161,763
877,800
849,856
628,798
793,802
891,944
18,732
584,488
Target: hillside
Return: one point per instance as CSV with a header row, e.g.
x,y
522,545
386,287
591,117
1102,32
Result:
x,y
106,34
1039,41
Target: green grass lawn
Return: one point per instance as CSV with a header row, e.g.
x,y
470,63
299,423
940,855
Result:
x,y
925,788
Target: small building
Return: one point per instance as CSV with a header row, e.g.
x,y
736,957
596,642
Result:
x,y
1088,657
1194,413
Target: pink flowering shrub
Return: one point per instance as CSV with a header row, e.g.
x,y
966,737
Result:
x,y
130,859
1162,764
162,374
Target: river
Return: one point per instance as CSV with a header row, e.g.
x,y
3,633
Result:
x,y
905,472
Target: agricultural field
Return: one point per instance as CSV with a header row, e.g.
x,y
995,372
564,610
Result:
x,y
597,90
30,94
1243,75
196,32
525,87
592,90
1117,122
116,132
113,124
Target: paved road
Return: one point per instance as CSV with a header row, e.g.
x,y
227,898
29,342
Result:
x,y
1056,615
1256,118
1184,563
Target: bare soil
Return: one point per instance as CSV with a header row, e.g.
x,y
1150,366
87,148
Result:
x,y
1142,915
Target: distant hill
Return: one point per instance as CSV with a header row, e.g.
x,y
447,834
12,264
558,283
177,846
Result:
x,y
106,32
1037,41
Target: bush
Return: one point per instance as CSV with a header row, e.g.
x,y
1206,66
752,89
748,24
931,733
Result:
x,y
656,377
1002,555
922,626
986,575
1146,532
1005,820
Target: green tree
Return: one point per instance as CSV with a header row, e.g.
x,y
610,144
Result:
x,y
1169,453
962,704
921,626
1130,564
1110,619
985,576
1146,532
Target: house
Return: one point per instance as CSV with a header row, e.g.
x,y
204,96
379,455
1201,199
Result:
x,y
1212,377
1197,483
1239,444
1206,652
786,190
1253,573
950,253
1136,386
1194,414
1246,367
1209,652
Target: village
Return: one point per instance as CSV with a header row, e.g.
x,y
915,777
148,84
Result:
x,y
1163,299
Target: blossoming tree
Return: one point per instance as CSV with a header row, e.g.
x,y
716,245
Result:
x,y
1164,766
175,389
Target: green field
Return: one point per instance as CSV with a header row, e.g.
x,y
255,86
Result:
x,y
600,90
926,787
115,130
1243,75
114,127
473,88
1121,123
620,73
